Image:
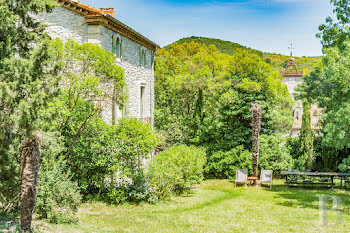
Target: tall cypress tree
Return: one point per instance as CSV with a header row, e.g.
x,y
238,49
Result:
x,y
307,137
28,80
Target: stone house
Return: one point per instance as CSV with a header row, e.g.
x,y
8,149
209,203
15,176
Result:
x,y
135,53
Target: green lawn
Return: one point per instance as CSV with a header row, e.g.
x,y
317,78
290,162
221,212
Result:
x,y
215,206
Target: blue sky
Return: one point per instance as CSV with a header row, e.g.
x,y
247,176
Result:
x,y
267,25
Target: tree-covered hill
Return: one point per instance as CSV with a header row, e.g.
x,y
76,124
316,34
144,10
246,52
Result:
x,y
278,61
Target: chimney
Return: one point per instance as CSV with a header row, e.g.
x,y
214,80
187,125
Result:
x,y
109,11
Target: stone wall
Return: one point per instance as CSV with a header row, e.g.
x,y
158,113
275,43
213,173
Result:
x,y
66,24
136,76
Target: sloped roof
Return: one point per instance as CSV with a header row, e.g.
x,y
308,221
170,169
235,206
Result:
x,y
97,16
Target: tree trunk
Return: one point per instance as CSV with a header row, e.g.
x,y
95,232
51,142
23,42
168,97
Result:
x,y
256,126
30,157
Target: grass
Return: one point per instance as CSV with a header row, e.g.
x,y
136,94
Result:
x,y
215,206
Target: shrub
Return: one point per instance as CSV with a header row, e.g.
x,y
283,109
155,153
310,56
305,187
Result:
x,y
274,154
345,165
111,156
134,145
223,164
176,170
58,196
141,190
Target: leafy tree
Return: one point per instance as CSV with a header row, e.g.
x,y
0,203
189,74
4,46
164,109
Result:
x,y
335,32
328,86
28,81
203,97
91,82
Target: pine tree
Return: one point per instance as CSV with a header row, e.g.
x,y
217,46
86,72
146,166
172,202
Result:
x,y
307,137
28,80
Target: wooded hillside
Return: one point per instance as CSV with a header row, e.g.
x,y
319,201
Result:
x,y
278,61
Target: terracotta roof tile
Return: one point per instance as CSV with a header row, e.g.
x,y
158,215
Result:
x,y
88,7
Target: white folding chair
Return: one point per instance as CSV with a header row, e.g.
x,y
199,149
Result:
x,y
241,176
266,177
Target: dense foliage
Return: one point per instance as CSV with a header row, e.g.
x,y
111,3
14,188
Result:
x,y
113,159
176,170
277,61
334,33
275,154
28,80
223,164
103,158
58,196
203,97
328,85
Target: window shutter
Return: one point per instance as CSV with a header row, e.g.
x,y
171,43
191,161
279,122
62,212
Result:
x,y
152,59
140,56
126,103
121,48
114,45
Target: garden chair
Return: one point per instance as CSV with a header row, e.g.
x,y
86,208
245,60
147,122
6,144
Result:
x,y
266,177
241,176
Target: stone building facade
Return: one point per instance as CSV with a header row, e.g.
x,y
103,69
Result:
x,y
293,78
134,53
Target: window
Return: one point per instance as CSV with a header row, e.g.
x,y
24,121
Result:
x,y
142,57
114,45
297,115
119,110
142,93
117,46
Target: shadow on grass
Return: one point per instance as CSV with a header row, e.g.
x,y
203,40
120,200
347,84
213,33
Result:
x,y
308,197
224,193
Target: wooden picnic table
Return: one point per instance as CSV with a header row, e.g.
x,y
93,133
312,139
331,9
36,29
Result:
x,y
326,178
